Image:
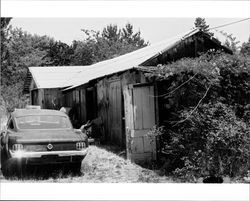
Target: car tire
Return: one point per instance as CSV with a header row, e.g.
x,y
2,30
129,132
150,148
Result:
x,y
76,168
10,168
6,167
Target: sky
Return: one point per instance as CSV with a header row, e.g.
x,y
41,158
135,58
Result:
x,y
152,29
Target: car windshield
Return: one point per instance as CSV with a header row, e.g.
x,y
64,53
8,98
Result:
x,y
43,122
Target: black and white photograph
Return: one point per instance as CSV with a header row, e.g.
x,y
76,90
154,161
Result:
x,y
125,100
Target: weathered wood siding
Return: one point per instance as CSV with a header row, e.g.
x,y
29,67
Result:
x,y
68,98
34,97
83,113
110,103
77,98
37,97
53,99
140,118
115,112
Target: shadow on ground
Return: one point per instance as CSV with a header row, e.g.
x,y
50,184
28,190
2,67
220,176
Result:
x,y
43,172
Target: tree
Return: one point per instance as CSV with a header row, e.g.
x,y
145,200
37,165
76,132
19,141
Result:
x,y
201,24
25,50
130,38
21,50
111,33
4,58
231,41
4,41
245,48
58,54
110,43
82,53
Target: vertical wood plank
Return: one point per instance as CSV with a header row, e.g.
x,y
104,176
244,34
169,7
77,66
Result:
x,y
115,112
129,121
83,104
151,106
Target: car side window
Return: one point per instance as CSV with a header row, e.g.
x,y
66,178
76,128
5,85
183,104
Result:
x,y
11,124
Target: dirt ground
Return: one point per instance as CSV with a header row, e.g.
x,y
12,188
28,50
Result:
x,y
100,166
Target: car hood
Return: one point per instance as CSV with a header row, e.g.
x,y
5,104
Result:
x,y
46,136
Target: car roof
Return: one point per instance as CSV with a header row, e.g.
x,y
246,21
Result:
x,y
28,112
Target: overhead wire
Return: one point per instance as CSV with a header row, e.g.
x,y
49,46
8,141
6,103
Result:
x,y
235,22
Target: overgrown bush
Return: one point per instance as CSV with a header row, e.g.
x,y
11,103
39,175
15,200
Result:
x,y
205,105
215,141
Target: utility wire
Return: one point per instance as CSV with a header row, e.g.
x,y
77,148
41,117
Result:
x,y
229,23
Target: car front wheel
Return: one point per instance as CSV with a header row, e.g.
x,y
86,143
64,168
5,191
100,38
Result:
x,y
75,168
5,165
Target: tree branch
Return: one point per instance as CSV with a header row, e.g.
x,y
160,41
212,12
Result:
x,y
162,95
194,108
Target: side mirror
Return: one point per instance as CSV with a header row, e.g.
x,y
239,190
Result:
x,y
78,131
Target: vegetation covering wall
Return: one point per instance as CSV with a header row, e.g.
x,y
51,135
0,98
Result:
x,y
205,126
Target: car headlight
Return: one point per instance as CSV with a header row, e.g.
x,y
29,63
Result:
x,y
80,145
17,147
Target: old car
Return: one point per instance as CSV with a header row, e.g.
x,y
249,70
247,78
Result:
x,y
40,136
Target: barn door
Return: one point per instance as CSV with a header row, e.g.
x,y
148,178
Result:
x,y
115,114
139,119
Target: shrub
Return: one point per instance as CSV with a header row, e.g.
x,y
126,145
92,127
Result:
x,y
213,141
12,97
204,106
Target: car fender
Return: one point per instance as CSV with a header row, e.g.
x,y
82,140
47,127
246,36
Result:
x,y
5,138
5,143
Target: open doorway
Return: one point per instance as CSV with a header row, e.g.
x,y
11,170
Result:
x,y
91,103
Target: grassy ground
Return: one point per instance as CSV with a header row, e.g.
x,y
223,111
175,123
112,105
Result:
x,y
103,166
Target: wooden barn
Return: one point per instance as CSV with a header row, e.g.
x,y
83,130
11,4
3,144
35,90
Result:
x,y
119,98
44,84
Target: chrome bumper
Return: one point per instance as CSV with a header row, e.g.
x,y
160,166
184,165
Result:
x,y
23,154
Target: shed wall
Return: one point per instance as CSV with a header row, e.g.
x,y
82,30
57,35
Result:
x,y
52,99
110,103
37,97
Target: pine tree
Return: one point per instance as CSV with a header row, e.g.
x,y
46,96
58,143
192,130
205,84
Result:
x,y
201,24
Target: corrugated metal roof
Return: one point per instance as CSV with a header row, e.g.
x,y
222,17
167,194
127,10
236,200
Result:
x,y
54,77
125,62
73,76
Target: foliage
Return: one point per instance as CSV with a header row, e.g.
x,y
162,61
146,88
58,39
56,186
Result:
x,y
207,115
110,43
245,49
200,23
58,54
20,50
216,142
231,41
4,41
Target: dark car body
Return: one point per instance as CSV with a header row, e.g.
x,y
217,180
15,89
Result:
x,y
39,136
